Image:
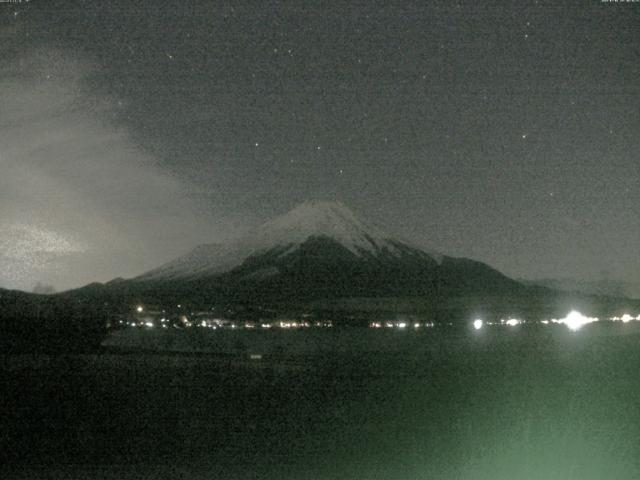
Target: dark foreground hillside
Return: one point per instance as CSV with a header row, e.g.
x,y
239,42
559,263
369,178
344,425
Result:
x,y
32,323
523,403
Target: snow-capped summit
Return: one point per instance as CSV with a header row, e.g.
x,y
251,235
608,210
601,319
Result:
x,y
322,219
327,220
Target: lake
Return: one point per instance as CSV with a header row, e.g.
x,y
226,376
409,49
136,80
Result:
x,y
537,402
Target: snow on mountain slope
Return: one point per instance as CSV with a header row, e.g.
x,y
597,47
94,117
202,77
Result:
x,y
209,259
332,220
328,219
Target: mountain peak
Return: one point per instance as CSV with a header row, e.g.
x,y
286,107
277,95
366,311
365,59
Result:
x,y
322,219
311,219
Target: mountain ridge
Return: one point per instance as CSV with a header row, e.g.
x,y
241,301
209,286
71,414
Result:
x,y
311,219
318,257
319,250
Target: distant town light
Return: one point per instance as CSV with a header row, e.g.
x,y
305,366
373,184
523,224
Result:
x,y
626,318
512,322
575,320
139,309
477,324
402,325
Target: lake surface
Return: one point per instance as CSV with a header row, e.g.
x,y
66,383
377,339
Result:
x,y
498,403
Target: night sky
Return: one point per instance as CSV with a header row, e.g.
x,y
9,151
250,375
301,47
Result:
x,y
132,131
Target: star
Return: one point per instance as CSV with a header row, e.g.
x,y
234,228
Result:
x,y
524,135
257,144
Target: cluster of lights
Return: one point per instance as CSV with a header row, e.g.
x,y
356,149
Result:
x,y
512,322
401,325
248,325
573,321
626,318
293,324
478,323
220,324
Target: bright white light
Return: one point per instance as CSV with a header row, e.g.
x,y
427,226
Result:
x,y
139,309
512,322
149,324
626,318
416,325
545,322
402,325
477,324
575,320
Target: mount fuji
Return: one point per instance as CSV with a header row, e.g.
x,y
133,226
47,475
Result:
x,y
319,258
285,236
318,250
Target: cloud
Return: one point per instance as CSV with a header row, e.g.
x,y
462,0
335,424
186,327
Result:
x,y
79,201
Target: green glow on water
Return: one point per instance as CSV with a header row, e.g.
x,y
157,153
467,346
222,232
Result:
x,y
486,404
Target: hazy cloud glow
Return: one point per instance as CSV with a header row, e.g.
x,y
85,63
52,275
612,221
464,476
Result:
x,y
75,192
